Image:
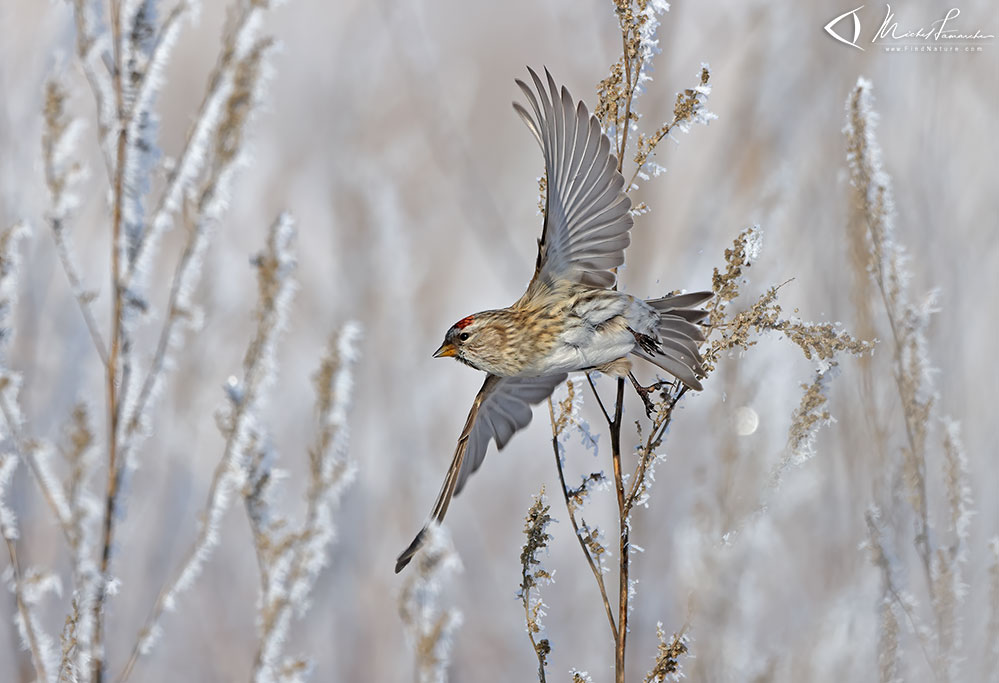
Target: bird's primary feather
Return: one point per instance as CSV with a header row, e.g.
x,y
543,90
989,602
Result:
x,y
587,215
501,408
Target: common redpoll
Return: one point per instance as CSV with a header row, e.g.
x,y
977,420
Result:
x,y
570,318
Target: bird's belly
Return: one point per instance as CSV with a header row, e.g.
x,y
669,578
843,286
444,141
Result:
x,y
571,355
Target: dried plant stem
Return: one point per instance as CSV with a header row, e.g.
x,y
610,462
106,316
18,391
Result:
x,y
648,454
874,197
923,542
257,365
76,285
597,574
653,143
890,586
30,633
190,155
28,456
279,611
597,395
85,41
624,551
113,398
201,542
530,634
630,89
188,260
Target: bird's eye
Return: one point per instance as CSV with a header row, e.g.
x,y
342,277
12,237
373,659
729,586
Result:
x,y
464,336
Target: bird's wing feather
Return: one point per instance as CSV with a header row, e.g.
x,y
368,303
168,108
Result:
x,y
501,408
587,215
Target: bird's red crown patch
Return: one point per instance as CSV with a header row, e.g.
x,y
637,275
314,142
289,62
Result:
x,y
464,322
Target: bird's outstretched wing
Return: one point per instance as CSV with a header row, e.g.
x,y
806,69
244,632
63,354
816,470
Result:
x,y
586,209
501,409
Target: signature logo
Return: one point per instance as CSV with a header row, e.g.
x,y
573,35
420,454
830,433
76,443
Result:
x,y
902,38
856,28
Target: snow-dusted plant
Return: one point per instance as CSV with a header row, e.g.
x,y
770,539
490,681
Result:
x,y
123,51
940,539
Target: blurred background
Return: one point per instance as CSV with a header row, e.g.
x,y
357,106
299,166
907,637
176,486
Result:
x,y
388,133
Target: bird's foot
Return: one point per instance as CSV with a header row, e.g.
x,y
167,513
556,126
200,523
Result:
x,y
646,393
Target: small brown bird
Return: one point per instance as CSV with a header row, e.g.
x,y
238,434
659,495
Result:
x,y
570,318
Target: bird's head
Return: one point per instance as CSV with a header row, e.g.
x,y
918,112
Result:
x,y
473,341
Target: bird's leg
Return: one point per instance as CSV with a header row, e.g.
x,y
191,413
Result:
x,y
645,394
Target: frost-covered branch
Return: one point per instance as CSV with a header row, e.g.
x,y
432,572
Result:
x,y
534,575
181,312
589,538
34,639
290,561
908,318
908,322
61,176
213,118
667,666
26,586
276,285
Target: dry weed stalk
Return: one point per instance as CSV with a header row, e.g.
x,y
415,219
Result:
x,y
667,666
239,422
884,263
290,560
534,575
26,585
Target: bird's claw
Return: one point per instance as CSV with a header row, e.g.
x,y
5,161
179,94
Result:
x,y
645,393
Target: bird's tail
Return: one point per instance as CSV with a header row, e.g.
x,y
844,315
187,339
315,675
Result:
x,y
678,336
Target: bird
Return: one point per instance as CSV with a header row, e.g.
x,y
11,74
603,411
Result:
x,y
572,317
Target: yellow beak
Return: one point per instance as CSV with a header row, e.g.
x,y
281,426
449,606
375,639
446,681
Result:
x,y
446,350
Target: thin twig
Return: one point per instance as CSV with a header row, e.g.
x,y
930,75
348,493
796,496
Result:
x,y
76,285
652,145
173,316
275,288
84,43
624,557
117,216
627,105
599,401
225,465
22,607
648,453
597,574
27,455
200,129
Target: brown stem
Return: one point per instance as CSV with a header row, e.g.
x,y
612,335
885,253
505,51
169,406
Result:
x,y
599,401
26,454
597,574
114,474
651,149
76,285
624,552
26,617
627,104
530,632
650,445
